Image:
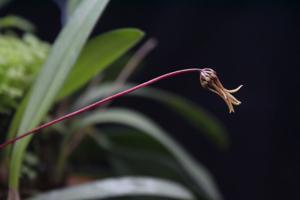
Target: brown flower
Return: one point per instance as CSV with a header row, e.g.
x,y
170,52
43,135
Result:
x,y
210,81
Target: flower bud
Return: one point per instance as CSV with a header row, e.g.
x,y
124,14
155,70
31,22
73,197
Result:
x,y
209,80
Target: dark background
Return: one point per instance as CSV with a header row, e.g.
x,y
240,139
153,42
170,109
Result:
x,y
251,43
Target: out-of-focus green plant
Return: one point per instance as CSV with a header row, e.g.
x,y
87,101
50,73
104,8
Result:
x,y
16,22
72,63
20,60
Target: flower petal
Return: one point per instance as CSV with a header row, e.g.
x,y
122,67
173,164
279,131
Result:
x,y
234,90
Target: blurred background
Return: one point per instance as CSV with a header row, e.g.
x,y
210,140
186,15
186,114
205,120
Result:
x,y
253,43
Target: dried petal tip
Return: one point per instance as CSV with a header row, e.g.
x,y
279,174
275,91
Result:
x,y
210,81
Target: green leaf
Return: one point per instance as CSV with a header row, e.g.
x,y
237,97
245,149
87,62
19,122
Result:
x,y
53,74
98,54
71,6
14,127
197,173
120,187
127,159
16,22
200,119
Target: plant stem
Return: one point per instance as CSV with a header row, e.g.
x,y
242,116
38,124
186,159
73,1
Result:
x,y
99,103
135,60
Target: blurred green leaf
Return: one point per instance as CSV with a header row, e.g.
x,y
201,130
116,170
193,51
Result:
x,y
134,160
122,136
51,78
200,119
71,6
13,128
120,187
16,22
98,54
197,173
113,71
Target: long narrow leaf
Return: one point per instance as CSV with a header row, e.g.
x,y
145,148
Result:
x,y
197,173
14,127
98,54
12,21
204,122
71,6
120,187
55,71
127,159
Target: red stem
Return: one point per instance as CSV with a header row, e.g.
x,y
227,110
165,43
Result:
x,y
99,103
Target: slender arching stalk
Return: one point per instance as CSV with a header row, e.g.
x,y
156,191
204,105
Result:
x,y
208,79
99,103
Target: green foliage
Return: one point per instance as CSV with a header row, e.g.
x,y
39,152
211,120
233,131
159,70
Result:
x,y
191,112
127,186
98,54
20,60
16,22
71,6
51,78
89,63
71,64
200,176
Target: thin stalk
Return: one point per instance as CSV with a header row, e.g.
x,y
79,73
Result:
x,y
99,103
135,60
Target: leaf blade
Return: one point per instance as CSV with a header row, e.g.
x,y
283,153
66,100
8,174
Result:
x,y
127,186
62,57
98,54
194,114
12,21
197,173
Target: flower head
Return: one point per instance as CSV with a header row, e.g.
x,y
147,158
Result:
x,y
210,81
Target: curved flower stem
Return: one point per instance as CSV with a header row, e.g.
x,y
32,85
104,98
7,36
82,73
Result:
x,y
99,103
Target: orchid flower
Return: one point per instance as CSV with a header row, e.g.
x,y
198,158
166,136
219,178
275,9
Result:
x,y
208,80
